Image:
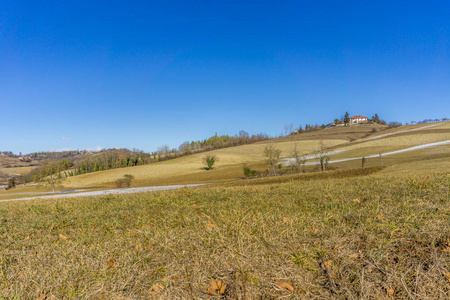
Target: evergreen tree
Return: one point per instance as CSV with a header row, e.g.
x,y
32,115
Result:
x,y
346,118
376,119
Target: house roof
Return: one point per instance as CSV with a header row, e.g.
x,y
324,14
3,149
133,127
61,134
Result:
x,y
358,117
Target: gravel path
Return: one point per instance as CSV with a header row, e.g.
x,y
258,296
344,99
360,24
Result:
x,y
110,192
291,161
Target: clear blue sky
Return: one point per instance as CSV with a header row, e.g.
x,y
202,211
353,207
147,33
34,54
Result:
x,y
139,74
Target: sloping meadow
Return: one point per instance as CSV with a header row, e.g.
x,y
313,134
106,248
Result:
x,y
376,236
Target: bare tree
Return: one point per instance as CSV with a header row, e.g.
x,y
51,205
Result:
x,y
185,148
272,155
50,175
288,129
243,134
323,156
163,152
164,149
299,160
124,182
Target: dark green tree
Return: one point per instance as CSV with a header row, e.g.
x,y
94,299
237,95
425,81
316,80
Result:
x,y
376,119
346,119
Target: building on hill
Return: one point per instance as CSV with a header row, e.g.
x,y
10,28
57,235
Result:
x,y
358,119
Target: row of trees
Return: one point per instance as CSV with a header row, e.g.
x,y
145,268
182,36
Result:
x,y
218,142
50,173
105,160
119,158
272,156
429,121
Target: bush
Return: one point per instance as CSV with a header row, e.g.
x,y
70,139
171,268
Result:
x,y
11,183
210,160
247,171
124,182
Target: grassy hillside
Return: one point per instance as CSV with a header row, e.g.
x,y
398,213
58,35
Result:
x,y
376,236
229,166
350,233
355,140
12,165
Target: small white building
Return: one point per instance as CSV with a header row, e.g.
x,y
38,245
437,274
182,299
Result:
x,y
358,119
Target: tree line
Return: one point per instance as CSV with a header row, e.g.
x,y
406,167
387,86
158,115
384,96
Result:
x,y
120,158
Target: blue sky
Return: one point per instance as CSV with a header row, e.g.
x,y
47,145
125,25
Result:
x,y
139,74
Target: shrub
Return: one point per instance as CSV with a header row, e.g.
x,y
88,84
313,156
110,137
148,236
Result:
x,y
247,171
11,183
124,182
210,160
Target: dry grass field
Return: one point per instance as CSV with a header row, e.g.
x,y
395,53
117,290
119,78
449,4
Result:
x,y
18,170
191,168
309,236
396,139
349,233
357,141
231,160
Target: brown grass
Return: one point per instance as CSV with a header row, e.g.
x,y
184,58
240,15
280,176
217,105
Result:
x,y
191,168
232,160
380,236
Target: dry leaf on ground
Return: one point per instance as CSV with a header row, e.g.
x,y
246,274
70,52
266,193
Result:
x,y
286,220
42,296
217,287
284,284
156,289
327,264
390,291
111,262
354,255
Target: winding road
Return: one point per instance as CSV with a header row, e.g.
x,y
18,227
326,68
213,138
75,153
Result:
x,y
291,161
110,192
